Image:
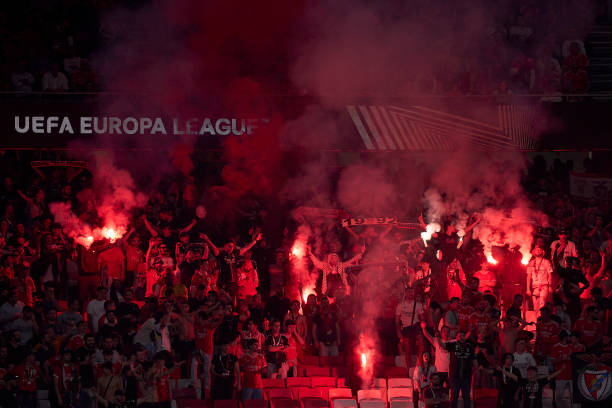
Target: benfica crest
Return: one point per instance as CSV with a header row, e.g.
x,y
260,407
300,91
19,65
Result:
x,y
595,382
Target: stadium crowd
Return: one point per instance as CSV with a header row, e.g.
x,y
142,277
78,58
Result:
x,y
180,296
523,49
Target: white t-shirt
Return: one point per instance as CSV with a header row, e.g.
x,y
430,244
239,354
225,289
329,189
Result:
x,y
570,250
95,308
54,83
523,361
8,311
143,336
405,311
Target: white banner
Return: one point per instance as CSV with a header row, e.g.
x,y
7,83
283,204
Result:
x,y
590,185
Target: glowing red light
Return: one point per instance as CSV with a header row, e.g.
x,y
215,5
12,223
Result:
x,y
298,249
491,260
307,292
364,360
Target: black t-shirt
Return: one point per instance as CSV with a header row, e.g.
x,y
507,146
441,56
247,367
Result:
x,y
508,386
275,341
572,277
461,362
432,392
187,271
227,265
127,308
326,327
277,307
532,392
223,370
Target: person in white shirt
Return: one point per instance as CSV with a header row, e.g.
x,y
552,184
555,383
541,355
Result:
x,y
54,80
522,359
562,249
21,79
408,315
10,311
95,309
539,278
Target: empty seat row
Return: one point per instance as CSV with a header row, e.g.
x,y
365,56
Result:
x,y
322,381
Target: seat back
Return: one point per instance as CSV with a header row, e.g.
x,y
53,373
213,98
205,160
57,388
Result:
x,y
344,393
316,371
299,382
399,393
401,382
372,404
324,382
310,393
273,383
192,403
278,393
369,394
344,403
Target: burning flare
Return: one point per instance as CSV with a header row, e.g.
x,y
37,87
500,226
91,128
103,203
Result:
x,y
430,229
491,260
364,360
299,249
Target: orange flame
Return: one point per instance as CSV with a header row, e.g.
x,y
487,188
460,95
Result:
x,y
364,360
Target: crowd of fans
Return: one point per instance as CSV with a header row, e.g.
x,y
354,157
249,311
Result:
x,y
519,51
115,323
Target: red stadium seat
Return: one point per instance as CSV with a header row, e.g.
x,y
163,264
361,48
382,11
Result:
x,y
184,393
255,404
316,371
324,382
225,404
324,392
396,372
332,361
345,393
271,393
399,382
299,382
310,393
295,391
273,383
284,403
313,402
307,359
194,403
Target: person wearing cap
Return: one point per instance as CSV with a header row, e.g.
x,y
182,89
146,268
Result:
x,y
561,249
539,278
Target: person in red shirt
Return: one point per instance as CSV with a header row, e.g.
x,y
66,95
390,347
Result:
x,y
78,340
63,374
546,330
253,365
26,374
463,314
480,322
591,330
577,346
204,328
560,355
